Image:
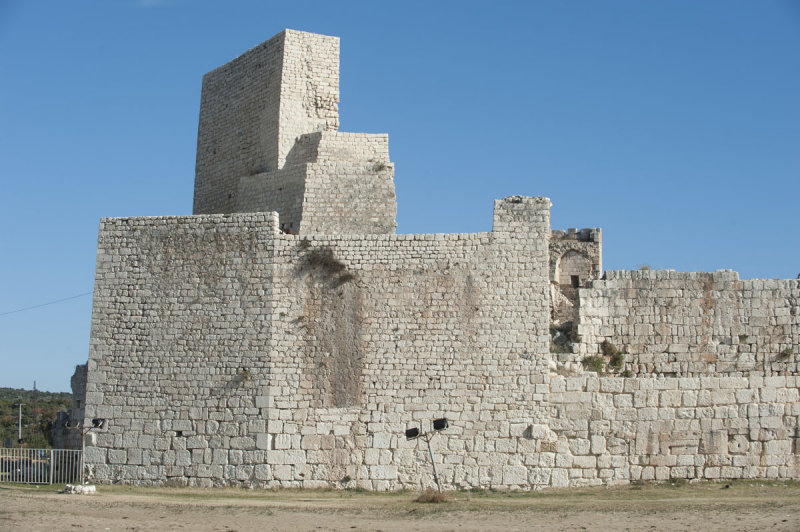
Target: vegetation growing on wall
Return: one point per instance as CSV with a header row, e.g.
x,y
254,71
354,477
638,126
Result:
x,y
595,363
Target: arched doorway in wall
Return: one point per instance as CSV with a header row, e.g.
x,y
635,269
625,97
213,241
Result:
x,y
573,269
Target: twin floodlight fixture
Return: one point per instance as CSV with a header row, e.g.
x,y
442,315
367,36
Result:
x,y
438,425
413,433
97,423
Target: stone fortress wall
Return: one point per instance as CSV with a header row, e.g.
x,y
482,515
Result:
x,y
227,352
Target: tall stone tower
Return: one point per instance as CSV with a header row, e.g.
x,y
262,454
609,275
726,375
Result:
x,y
268,141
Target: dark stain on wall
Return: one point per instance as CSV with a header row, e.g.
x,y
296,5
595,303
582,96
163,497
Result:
x,y
334,313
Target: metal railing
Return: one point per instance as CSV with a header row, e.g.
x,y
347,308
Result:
x,y
40,466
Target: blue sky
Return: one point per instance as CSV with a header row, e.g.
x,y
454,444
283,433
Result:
x,y
674,126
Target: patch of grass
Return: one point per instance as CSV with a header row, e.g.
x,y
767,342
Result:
x,y
786,353
608,349
617,361
559,348
561,344
594,363
677,482
344,278
430,496
565,328
324,259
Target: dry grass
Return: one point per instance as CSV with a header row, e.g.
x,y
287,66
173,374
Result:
x,y
432,496
673,506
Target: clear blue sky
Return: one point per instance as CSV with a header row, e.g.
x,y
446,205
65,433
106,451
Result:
x,y
674,126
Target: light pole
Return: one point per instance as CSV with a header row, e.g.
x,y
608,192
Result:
x,y
414,433
19,434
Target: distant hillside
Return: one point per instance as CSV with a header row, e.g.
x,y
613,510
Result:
x,y
38,413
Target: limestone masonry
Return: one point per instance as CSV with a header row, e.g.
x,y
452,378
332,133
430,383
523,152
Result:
x,y
284,335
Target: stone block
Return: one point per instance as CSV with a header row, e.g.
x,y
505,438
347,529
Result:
x,y
283,441
598,444
196,442
515,475
263,441
244,442
117,456
383,472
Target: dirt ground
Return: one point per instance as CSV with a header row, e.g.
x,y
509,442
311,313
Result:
x,y
705,506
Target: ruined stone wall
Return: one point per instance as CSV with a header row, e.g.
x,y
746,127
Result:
x,y
224,353
63,436
575,252
77,414
585,242
689,324
609,430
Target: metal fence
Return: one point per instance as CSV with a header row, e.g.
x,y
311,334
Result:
x,y
40,466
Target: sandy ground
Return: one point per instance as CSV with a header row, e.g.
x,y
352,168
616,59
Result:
x,y
699,507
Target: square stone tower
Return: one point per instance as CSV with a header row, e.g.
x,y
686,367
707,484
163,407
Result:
x,y
268,141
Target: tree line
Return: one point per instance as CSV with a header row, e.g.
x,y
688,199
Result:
x,y
39,410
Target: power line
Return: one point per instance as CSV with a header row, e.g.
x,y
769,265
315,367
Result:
x,y
45,304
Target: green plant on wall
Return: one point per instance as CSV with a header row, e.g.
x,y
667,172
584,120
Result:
x,y
608,349
559,348
323,259
595,363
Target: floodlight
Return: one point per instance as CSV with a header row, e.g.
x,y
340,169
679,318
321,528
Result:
x,y
98,423
440,424
412,433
